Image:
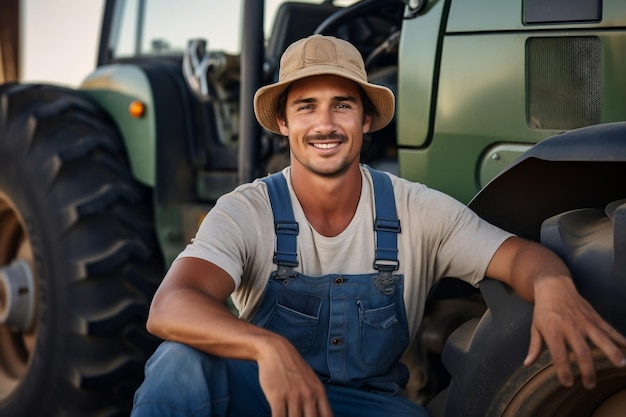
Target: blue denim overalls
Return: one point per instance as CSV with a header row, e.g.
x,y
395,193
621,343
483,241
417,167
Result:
x,y
351,329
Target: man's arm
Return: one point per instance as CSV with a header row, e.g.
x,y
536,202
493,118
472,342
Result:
x,y
189,308
562,318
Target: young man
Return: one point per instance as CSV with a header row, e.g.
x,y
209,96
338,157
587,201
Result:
x,y
329,264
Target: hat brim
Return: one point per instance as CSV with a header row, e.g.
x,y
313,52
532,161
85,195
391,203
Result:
x,y
266,98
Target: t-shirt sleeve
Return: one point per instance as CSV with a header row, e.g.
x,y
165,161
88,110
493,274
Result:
x,y
464,243
227,237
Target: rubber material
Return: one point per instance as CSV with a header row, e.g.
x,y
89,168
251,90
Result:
x,y
96,260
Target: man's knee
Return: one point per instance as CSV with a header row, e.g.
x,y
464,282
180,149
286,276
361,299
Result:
x,y
181,378
177,358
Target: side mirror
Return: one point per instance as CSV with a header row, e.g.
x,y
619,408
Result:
x,y
200,65
415,7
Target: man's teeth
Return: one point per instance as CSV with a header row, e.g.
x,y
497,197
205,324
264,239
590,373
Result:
x,y
325,145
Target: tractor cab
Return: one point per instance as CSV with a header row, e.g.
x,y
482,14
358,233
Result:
x,y
198,137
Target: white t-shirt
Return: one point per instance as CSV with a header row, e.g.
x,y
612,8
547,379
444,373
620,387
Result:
x,y
440,237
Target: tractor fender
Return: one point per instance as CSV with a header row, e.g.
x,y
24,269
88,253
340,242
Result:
x,y
116,88
565,193
580,168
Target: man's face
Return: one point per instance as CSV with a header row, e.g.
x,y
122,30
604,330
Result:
x,y
325,124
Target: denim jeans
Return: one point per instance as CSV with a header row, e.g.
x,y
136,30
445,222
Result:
x,y
181,381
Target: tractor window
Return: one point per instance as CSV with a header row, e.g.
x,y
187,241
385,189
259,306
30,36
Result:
x,y
164,27
126,26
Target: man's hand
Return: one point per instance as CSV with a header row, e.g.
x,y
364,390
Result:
x,y
565,321
562,318
290,385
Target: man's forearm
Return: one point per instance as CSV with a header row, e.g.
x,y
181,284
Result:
x,y
526,266
193,318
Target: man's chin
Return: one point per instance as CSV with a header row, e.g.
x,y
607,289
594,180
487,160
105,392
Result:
x,y
334,171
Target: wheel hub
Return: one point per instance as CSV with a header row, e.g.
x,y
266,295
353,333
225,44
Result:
x,y
17,296
18,299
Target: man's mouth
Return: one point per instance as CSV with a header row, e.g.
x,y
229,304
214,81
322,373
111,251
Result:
x,y
325,145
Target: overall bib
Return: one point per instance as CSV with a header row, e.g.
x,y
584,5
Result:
x,y
351,329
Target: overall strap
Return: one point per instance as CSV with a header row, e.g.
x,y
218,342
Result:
x,y
387,224
285,225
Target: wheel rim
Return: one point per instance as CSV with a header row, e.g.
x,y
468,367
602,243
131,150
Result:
x,y
17,342
541,395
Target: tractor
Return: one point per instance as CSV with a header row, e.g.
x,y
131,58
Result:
x,y
514,107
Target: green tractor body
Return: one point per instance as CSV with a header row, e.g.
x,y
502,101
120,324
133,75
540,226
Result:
x,y
515,107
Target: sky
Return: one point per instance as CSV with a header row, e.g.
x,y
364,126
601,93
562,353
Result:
x,y
59,40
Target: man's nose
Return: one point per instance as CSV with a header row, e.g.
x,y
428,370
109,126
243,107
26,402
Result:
x,y
325,121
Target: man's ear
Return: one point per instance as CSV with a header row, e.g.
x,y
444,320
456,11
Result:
x,y
282,125
367,123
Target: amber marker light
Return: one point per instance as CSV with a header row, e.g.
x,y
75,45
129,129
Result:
x,y
137,109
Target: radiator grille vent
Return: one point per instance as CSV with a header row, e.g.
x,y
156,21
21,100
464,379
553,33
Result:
x,y
563,82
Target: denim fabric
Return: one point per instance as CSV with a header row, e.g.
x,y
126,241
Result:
x,y
183,382
351,329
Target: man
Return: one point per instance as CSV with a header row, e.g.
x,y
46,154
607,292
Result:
x,y
329,263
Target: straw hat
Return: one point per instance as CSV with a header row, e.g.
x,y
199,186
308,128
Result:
x,y
317,55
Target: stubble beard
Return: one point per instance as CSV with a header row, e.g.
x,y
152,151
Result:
x,y
338,170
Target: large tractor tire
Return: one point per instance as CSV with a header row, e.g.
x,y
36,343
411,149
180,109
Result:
x,y
485,356
79,260
566,193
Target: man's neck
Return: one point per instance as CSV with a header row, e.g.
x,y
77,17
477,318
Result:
x,y
329,203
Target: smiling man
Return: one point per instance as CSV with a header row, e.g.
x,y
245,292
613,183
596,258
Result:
x,y
329,263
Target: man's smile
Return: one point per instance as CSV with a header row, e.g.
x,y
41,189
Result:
x,y
325,145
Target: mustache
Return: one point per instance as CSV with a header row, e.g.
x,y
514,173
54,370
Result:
x,y
320,136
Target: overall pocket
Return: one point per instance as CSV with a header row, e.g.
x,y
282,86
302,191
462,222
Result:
x,y
296,317
380,335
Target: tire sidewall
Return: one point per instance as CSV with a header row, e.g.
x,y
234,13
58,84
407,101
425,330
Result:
x,y
20,180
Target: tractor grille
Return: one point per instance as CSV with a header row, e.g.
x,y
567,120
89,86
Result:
x,y
563,76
